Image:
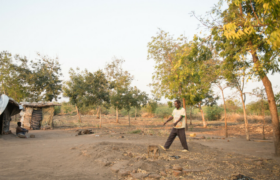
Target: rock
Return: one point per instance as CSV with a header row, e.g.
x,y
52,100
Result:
x,y
121,136
259,163
141,158
115,148
177,173
119,165
138,175
103,162
202,137
177,167
162,173
195,170
124,172
185,172
154,176
130,154
32,136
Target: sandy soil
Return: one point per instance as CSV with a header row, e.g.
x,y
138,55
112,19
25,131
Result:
x,y
113,152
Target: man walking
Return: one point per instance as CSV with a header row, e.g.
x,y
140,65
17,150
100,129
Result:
x,y
179,123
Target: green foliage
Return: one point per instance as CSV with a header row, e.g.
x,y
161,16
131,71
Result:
x,y
233,106
138,131
119,80
214,112
277,99
182,68
255,108
152,106
67,108
57,110
170,104
45,77
13,76
26,80
87,89
164,111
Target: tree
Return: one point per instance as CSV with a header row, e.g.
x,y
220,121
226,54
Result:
x,y
14,74
198,67
120,80
86,88
222,88
163,49
132,97
141,99
45,83
259,92
251,29
180,66
237,80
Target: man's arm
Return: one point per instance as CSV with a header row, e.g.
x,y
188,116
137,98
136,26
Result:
x,y
168,120
180,119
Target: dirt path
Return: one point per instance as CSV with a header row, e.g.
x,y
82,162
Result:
x,y
59,154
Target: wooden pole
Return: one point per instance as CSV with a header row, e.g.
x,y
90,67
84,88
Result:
x,y
117,115
100,118
128,119
184,105
78,114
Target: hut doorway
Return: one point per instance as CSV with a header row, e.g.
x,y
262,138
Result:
x,y
36,119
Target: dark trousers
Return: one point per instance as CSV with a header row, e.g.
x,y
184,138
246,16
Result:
x,y
182,136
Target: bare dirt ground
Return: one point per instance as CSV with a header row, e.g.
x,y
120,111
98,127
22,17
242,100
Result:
x,y
114,152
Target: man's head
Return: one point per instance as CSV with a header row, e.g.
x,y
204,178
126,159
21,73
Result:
x,y
177,103
19,124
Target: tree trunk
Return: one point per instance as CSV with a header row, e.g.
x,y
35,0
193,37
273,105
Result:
x,y
100,118
78,114
117,115
184,105
225,110
245,117
135,112
98,112
202,115
272,107
128,119
191,115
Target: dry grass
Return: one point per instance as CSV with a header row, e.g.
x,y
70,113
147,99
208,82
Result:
x,y
251,118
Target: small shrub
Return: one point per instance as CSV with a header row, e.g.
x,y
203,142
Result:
x,y
135,131
213,113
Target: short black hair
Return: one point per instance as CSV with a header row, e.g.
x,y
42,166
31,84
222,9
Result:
x,y
19,123
178,101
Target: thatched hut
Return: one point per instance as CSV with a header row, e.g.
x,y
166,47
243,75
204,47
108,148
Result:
x,y
8,108
38,115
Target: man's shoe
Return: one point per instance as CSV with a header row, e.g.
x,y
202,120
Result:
x,y
162,147
185,150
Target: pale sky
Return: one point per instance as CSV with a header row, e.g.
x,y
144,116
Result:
x,y
89,33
